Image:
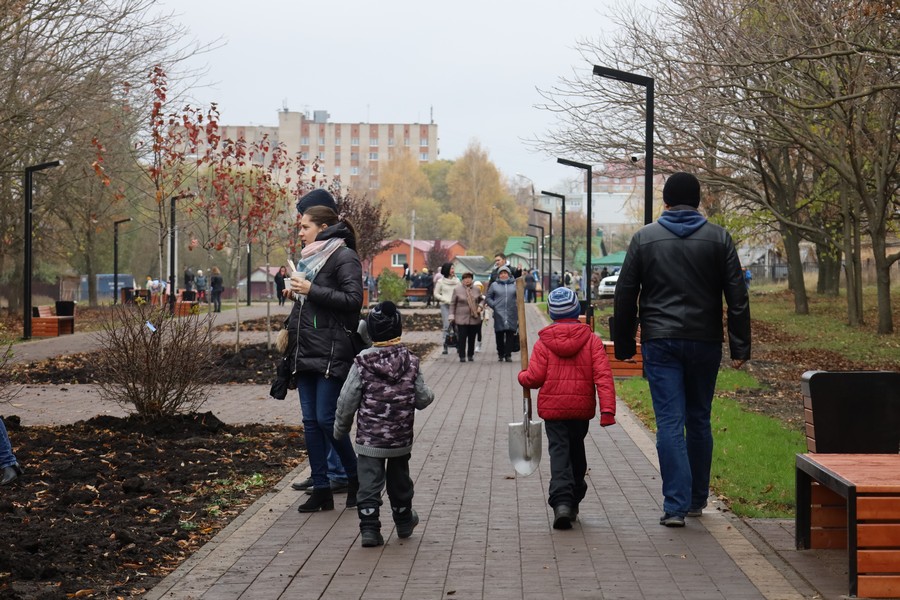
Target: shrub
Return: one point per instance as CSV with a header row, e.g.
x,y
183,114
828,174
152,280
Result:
x,y
391,286
157,364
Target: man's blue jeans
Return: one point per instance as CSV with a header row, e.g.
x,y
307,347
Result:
x,y
318,401
7,458
682,377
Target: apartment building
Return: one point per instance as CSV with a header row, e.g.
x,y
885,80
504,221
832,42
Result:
x,y
353,152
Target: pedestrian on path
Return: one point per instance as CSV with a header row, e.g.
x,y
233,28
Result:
x,y
320,344
569,364
465,313
678,270
443,294
9,466
216,286
280,277
384,389
501,297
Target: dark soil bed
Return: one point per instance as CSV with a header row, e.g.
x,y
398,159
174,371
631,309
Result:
x,y
109,506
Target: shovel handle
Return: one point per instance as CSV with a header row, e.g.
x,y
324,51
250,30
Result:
x,y
523,344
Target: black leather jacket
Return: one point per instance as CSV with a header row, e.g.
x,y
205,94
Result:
x,y
678,270
318,338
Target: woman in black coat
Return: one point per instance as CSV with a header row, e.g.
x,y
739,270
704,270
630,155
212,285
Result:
x,y
279,284
326,311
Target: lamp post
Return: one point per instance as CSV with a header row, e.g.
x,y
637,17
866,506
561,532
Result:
x,y
26,274
171,288
562,255
249,272
588,270
647,82
116,258
542,257
550,261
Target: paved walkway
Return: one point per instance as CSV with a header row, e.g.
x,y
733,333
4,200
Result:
x,y
484,532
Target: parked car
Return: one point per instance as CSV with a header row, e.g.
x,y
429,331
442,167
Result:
x,y
608,286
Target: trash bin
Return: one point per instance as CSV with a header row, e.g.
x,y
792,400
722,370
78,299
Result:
x,y
188,296
65,308
127,295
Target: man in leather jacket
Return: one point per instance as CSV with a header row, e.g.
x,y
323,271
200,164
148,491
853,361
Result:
x,y
677,271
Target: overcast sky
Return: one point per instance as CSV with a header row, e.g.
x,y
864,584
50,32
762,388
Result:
x,y
476,64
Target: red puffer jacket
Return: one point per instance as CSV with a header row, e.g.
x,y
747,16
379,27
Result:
x,y
568,363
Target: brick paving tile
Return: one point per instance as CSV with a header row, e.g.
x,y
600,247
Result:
x,y
484,532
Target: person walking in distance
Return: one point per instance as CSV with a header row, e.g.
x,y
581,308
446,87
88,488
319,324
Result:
x,y
443,294
569,365
465,313
216,287
384,389
501,297
672,281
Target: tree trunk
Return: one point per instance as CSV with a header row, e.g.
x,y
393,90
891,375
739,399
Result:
x,y
883,282
829,279
795,269
852,261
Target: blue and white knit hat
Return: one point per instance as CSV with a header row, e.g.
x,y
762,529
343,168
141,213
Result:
x,y
563,304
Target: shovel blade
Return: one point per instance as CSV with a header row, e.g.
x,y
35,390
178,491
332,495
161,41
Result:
x,y
525,446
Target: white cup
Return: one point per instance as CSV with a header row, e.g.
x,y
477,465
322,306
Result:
x,y
298,276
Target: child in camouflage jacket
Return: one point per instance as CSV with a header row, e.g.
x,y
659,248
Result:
x,y
384,388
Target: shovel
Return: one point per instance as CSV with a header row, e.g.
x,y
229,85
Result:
x,y
524,438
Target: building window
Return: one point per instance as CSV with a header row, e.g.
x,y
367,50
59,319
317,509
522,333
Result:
x,y
337,170
304,141
390,141
321,141
337,141
337,155
406,141
398,260
373,156
354,141
373,141
321,156
423,142
304,155
354,156
354,170
423,156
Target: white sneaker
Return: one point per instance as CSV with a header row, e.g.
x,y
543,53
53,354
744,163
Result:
x,y
477,346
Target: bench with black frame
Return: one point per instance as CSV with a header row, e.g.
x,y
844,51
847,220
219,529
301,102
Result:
x,y
45,324
417,294
848,484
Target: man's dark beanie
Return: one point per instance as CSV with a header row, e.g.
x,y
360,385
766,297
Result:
x,y
383,322
317,197
682,188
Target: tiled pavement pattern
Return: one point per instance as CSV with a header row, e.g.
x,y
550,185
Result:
x,y
484,532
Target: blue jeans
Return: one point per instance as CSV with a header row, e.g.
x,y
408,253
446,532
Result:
x,y
682,377
7,458
318,401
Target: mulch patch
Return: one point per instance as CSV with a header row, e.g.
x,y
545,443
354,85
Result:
x,y
412,321
109,506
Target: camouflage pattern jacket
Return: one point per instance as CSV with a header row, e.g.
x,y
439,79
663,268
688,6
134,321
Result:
x,y
384,387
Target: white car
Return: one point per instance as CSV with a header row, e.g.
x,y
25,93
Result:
x,y
608,286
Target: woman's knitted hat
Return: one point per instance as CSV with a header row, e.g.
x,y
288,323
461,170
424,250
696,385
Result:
x,y
384,322
563,304
316,197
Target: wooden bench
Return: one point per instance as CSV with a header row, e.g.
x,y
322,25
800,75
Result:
x,y
418,294
622,368
848,485
46,324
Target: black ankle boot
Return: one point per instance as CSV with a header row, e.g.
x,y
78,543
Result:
x,y
352,488
406,519
320,499
370,527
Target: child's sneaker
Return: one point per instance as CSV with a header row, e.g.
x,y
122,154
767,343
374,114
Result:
x,y
371,538
405,519
369,527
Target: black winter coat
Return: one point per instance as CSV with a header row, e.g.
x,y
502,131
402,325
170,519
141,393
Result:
x,y
318,332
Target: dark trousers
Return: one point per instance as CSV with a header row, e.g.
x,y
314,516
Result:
x,y
217,301
373,473
467,335
565,444
504,343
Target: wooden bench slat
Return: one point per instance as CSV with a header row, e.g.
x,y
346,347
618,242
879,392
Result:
x,y
878,561
828,539
829,516
879,586
823,496
882,508
878,535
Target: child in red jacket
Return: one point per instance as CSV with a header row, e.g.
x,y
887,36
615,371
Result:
x,y
568,363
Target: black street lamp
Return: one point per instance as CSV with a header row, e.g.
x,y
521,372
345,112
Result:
x,y
588,270
172,249
647,82
562,255
249,273
542,257
116,259
26,274
550,261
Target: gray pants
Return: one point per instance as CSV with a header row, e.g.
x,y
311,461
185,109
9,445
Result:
x,y
568,464
373,473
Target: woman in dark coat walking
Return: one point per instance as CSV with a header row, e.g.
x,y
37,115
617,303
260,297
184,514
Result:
x,y
325,312
279,284
501,297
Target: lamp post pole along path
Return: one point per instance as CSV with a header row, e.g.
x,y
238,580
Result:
x,y
116,258
586,285
543,256
647,83
562,253
26,273
550,249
